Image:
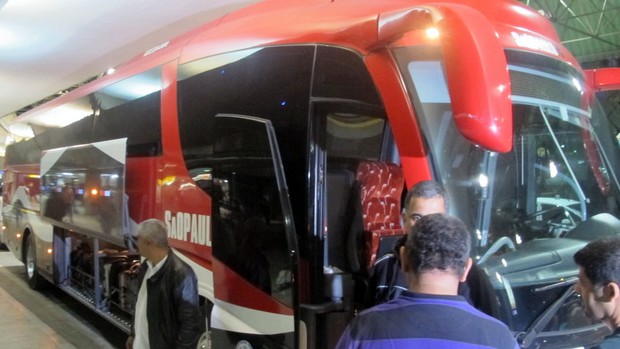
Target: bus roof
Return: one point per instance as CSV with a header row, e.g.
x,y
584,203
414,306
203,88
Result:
x,y
348,23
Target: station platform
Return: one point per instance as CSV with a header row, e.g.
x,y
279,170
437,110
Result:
x,y
47,319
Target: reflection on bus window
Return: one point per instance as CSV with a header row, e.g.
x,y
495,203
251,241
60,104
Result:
x,y
249,231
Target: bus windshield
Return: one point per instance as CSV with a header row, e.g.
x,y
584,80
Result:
x,y
523,207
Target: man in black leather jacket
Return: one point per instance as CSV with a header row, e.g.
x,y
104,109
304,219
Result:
x,y
387,280
167,313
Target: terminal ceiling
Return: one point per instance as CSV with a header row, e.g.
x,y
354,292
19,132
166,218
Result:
x,y
590,29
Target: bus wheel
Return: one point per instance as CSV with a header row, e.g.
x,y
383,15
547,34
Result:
x,y
35,281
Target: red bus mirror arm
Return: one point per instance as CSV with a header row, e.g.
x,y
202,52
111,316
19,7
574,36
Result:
x,y
475,66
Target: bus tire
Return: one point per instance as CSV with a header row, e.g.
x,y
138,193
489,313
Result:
x,y
35,281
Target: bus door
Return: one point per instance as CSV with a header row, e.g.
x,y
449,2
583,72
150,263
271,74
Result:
x,y
348,129
254,242
235,160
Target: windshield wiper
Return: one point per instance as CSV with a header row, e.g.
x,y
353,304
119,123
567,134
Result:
x,y
527,338
569,281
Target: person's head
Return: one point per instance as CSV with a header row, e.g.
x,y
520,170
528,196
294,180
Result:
x,y
438,243
424,198
152,238
599,280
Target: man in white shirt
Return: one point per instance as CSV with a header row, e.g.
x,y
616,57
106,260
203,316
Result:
x,y
167,313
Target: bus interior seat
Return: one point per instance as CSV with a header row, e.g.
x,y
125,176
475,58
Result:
x,y
378,188
339,184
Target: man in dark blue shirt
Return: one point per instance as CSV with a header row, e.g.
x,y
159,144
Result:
x,y
387,280
430,314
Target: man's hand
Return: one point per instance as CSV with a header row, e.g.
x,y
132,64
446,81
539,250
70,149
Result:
x,y
129,343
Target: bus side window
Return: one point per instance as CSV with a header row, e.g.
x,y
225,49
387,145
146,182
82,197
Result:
x,y
251,239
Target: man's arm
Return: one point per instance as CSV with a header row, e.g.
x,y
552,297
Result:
x,y
190,323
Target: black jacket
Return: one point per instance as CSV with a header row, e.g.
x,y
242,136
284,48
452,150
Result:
x,y
173,308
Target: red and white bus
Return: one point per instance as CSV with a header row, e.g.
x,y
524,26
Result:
x,y
277,143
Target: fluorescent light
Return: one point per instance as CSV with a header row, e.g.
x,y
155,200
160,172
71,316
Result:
x,y
20,130
7,38
553,170
60,116
483,180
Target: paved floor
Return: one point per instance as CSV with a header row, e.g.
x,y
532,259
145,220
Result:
x,y
49,319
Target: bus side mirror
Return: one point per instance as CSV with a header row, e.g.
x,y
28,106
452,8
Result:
x,y
478,79
603,79
475,66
